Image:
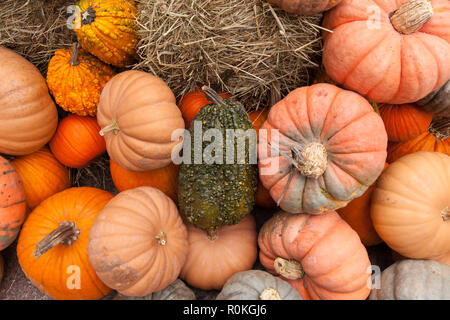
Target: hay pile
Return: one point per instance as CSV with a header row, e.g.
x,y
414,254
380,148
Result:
x,y
239,46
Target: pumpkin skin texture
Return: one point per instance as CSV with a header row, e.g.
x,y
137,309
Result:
x,y
77,142
28,116
414,280
177,290
164,179
212,261
12,203
257,285
437,102
138,114
108,30
305,7
138,243
327,138
42,176
332,262
76,80
410,205
408,66
51,272
2,267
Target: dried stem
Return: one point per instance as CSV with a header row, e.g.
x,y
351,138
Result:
x,y
74,61
411,16
290,269
66,234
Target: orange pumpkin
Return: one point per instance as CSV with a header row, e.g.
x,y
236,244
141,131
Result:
x,y
42,176
53,244
77,141
12,203
164,179
390,51
211,261
321,256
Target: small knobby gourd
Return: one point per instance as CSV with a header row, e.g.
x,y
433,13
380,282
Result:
x,y
213,259
305,7
77,141
76,80
108,30
138,114
42,176
138,243
177,290
437,102
53,244
12,203
321,256
408,42
323,147
257,285
414,280
410,205
28,116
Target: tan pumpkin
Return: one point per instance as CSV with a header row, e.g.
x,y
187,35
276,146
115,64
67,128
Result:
x,y
305,7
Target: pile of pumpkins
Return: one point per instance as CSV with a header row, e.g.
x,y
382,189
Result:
x,y
327,168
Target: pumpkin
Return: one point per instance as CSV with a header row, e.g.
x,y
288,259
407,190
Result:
x,y
329,148
407,41
138,243
357,215
177,290
321,256
257,285
404,122
42,176
2,268
233,181
137,114
410,205
213,259
28,116
164,179
414,280
77,141
12,203
305,7
437,102
108,30
76,80
53,244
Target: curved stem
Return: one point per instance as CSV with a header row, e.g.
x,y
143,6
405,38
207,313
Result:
x,y
113,126
411,16
66,234
74,61
290,269
270,294
440,128
213,96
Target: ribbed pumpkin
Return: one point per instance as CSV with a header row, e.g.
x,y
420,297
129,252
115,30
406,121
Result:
x,y
305,7
77,141
42,176
164,179
321,256
53,244
331,148
108,30
12,203
76,80
138,243
437,102
28,116
138,115
393,52
211,261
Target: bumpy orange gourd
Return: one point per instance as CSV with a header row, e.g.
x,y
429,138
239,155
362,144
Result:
x,y
42,176
138,244
28,116
77,141
76,80
321,256
108,30
305,7
12,203
390,51
212,261
53,244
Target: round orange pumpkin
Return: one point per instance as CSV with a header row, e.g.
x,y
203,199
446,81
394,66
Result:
x,y
53,244
390,51
321,256
138,115
138,244
305,7
77,141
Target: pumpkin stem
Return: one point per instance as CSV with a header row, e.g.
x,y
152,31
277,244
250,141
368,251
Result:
x,y
440,128
161,238
311,160
411,16
212,234
113,126
290,269
270,294
66,234
74,61
445,213
213,96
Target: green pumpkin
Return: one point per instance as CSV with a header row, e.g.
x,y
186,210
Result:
x,y
212,195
